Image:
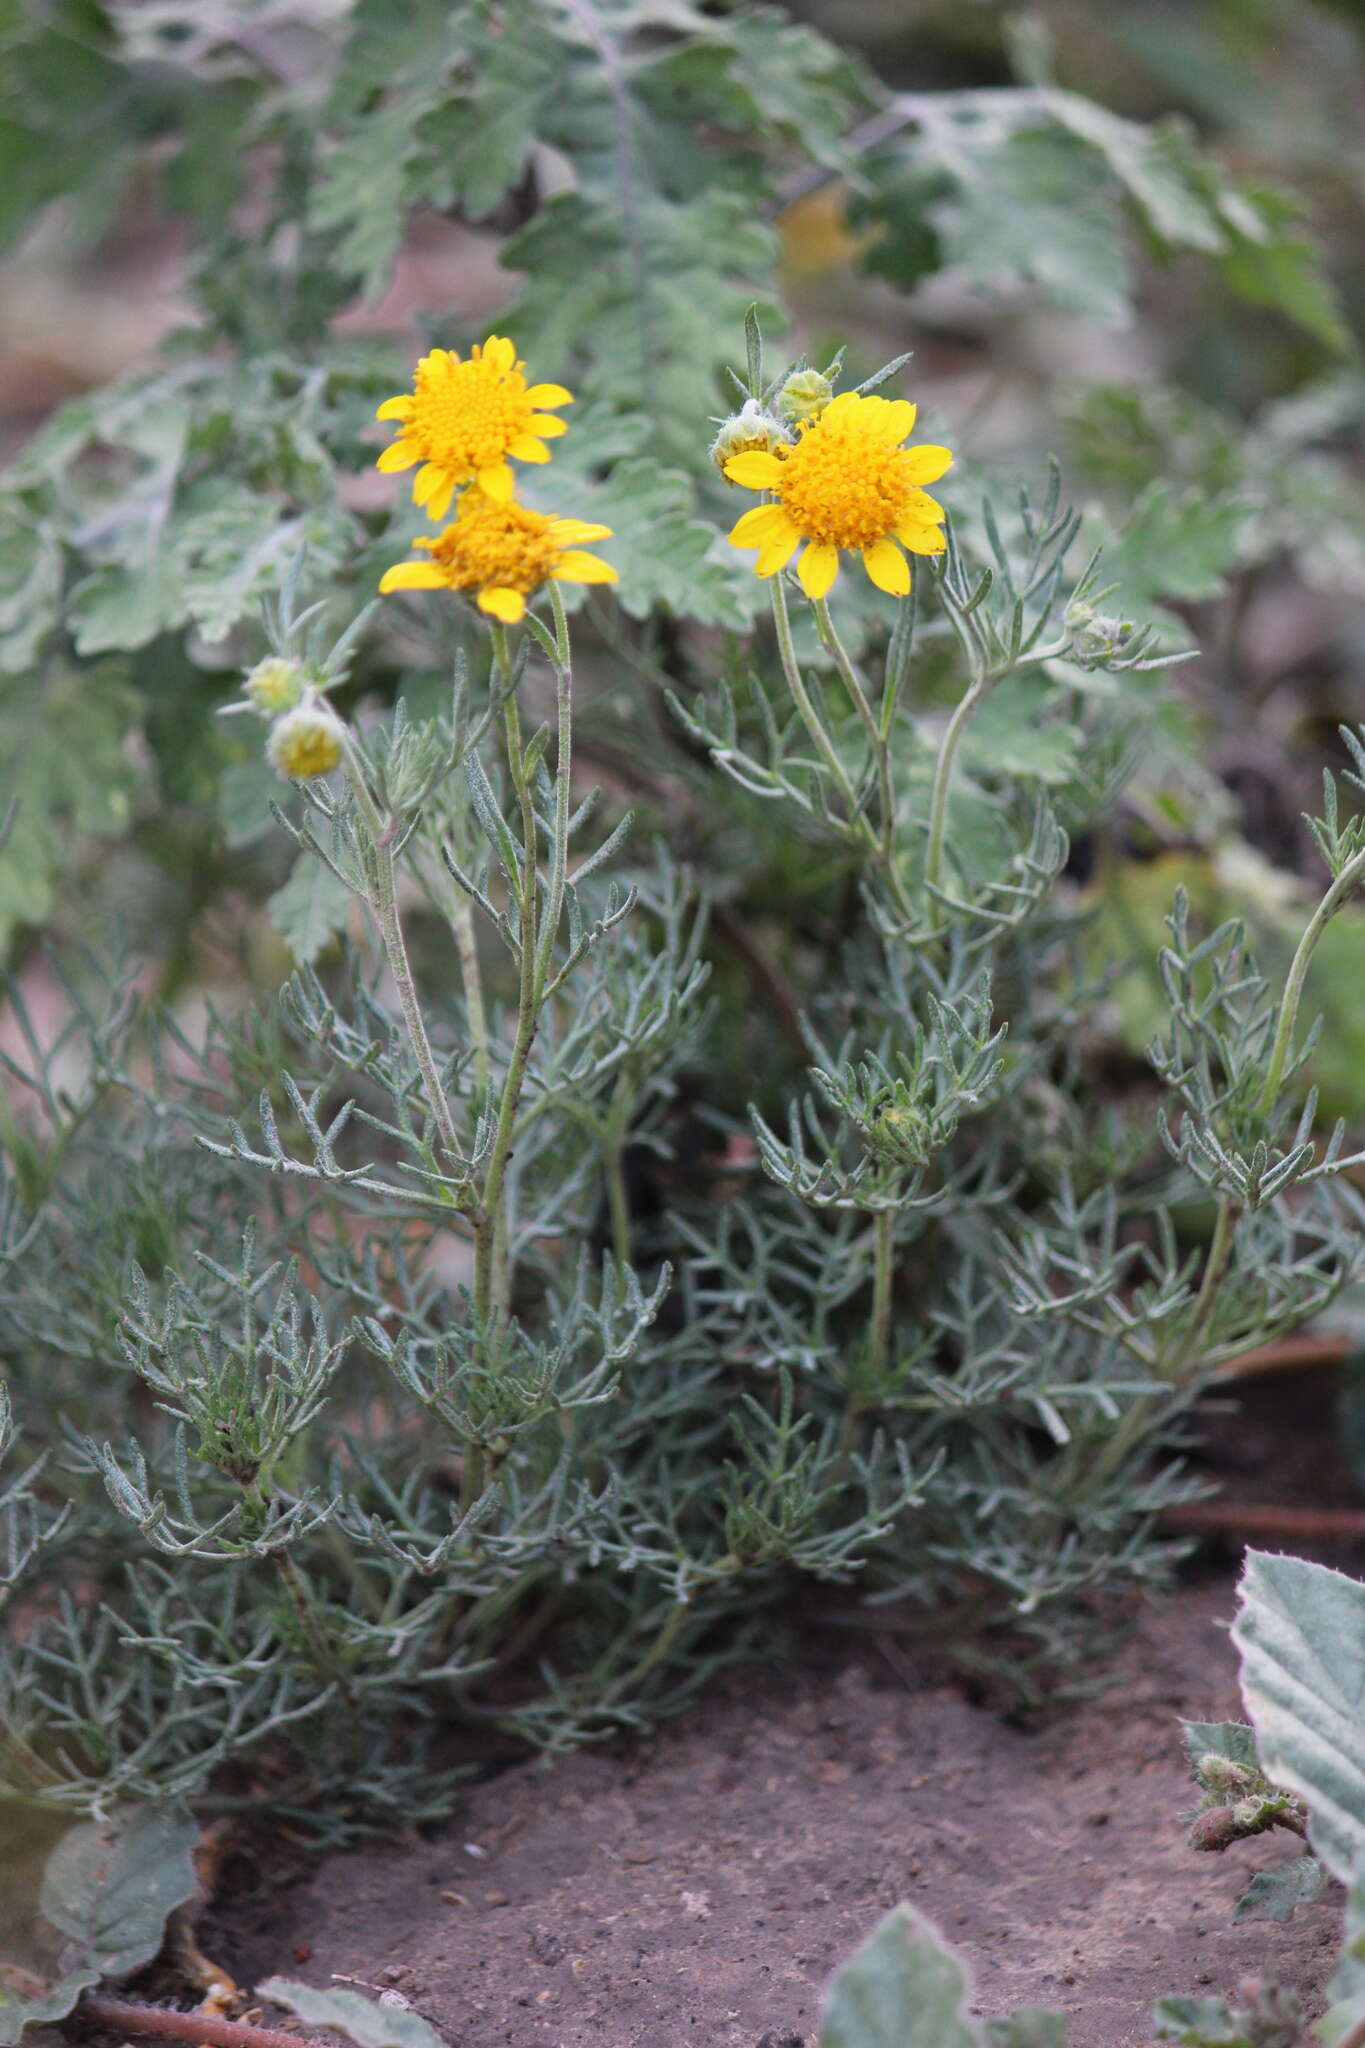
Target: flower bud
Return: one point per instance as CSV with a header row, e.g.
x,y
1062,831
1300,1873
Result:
x,y
900,1135
275,685
1220,1774
306,742
746,430
1096,638
804,396
1215,1828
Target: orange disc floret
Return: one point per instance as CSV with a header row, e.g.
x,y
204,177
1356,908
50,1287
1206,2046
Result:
x,y
463,419
504,552
847,482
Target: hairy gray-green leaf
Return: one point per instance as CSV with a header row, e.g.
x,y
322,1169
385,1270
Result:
x,y
363,2020
1029,2026
904,1988
109,1887
1273,1894
310,910
1346,1988
1301,1634
1200,2023
1235,1740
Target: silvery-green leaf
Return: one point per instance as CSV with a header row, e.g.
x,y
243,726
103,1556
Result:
x,y
1301,1634
1273,1894
904,1988
363,2020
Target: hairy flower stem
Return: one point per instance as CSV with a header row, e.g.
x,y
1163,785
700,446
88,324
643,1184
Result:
x,y
877,739
385,906
160,2022
614,1165
879,1335
301,1600
1345,885
467,947
810,718
938,801
1215,1266
537,929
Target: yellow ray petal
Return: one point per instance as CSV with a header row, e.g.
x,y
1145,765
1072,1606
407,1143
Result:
x,y
549,394
567,533
497,482
923,510
926,463
394,409
755,470
900,418
396,456
760,526
819,567
427,482
777,554
577,567
411,576
887,567
546,425
502,354
526,448
847,401
507,605
436,360
921,540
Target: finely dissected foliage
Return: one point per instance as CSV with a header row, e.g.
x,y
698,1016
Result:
x,y
616,1225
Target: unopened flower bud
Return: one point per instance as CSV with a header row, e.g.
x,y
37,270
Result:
x,y
1220,1774
749,429
1096,638
900,1135
306,742
275,685
804,396
1216,1828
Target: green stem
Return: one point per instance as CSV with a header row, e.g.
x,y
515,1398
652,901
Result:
x,y
301,1600
1215,1266
938,802
802,699
877,739
1346,883
466,945
879,1341
614,1150
492,1268
385,906
559,850
848,673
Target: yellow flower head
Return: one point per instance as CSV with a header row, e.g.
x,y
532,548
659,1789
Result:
x,y
504,552
275,685
306,742
846,483
464,419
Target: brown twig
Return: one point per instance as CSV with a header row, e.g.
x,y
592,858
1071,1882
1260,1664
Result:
x,y
1307,1523
1331,1348
163,2022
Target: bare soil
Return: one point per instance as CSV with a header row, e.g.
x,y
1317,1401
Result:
x,y
700,1886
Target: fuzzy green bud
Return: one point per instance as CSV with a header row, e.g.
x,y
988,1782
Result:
x,y
749,429
275,685
1096,638
900,1135
804,396
1220,1774
306,742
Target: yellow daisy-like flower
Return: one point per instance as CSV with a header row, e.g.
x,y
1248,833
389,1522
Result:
x,y
463,419
505,552
846,483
